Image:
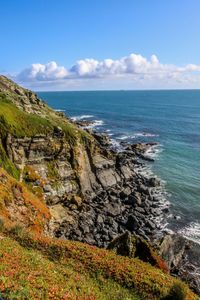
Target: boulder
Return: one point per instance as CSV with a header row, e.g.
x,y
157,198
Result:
x,y
134,246
183,259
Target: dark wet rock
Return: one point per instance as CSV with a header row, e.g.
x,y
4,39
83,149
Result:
x,y
166,210
143,189
84,123
140,149
137,198
150,224
140,210
103,139
132,223
154,182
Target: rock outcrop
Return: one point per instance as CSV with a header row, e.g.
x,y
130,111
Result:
x,y
182,257
93,195
133,246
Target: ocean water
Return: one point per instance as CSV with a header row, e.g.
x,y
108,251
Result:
x,y
171,118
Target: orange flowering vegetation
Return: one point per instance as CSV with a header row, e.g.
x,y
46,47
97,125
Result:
x,y
147,281
29,274
33,266
19,206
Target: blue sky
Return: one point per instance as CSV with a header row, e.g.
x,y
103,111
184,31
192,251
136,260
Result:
x,y
36,33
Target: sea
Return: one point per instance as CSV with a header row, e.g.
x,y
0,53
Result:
x,y
171,118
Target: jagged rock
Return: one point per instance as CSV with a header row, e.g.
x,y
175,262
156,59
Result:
x,y
140,210
103,139
143,189
182,258
134,246
112,210
172,249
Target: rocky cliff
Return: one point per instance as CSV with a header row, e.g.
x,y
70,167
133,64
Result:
x,y
93,193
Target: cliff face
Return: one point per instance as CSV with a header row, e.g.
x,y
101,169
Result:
x,y
79,184
93,194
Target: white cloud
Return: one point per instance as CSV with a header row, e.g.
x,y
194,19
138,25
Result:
x,y
48,72
134,68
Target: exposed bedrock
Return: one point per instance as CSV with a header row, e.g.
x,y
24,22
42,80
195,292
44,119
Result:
x,y
94,194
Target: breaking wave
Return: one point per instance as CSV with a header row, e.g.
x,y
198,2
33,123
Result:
x,y
81,117
136,135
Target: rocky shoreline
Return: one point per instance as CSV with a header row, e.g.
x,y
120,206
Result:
x,y
136,206
133,203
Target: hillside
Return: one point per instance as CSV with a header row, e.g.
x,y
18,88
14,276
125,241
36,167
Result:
x,y
60,181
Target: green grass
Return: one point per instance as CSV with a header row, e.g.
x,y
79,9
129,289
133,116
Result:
x,y
7,164
19,123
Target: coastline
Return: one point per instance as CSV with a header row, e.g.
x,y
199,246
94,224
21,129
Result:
x,y
183,260
93,191
134,117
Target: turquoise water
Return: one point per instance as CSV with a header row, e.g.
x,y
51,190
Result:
x,y
171,118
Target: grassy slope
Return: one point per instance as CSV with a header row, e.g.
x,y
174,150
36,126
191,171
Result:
x,y
28,274
21,124
72,270
45,268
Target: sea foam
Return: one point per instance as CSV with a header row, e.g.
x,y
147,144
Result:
x,y
81,117
192,232
60,110
136,135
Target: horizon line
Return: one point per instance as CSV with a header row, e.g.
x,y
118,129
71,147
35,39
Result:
x,y
121,90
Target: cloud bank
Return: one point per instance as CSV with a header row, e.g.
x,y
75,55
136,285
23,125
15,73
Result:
x,y
135,68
